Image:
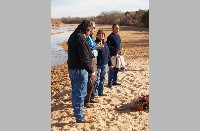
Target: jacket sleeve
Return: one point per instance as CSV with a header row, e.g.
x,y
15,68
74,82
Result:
x,y
84,55
109,60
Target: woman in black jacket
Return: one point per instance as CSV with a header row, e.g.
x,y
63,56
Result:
x,y
103,61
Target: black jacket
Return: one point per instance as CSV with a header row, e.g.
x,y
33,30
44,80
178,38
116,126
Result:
x,y
79,53
114,41
104,55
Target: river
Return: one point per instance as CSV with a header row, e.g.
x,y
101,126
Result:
x,y
58,55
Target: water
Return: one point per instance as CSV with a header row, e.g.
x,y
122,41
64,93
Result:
x,y
58,55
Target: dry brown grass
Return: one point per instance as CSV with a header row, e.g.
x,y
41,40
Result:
x,y
64,45
56,33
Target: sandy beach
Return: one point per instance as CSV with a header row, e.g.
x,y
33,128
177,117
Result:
x,y
107,117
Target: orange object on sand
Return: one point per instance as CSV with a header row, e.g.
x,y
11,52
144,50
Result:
x,y
140,103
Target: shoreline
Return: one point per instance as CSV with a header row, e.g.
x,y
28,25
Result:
x,y
134,79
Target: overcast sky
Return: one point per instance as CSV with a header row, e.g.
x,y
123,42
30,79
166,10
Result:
x,y
85,8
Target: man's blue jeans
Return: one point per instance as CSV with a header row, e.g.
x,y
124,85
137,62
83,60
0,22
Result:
x,y
112,76
99,85
79,79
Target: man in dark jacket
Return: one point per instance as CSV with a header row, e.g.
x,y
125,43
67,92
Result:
x,y
113,41
79,66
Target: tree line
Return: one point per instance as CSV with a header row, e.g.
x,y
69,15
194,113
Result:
x,y
138,18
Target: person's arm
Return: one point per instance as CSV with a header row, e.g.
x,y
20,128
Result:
x,y
110,65
111,44
84,55
109,60
99,44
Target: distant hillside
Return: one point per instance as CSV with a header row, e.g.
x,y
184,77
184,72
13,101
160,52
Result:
x,y
138,18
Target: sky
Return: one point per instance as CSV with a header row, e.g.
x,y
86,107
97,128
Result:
x,y
86,8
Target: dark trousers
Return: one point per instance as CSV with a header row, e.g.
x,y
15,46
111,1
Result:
x,y
91,82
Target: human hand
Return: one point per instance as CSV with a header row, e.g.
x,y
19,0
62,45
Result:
x,y
118,52
100,45
110,67
94,52
92,75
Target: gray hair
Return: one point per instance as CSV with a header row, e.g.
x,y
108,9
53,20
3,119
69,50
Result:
x,y
85,26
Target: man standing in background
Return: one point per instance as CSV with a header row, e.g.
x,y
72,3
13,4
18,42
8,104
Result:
x,y
114,42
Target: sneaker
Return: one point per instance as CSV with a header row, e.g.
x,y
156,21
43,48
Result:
x,y
103,95
109,86
87,121
116,83
87,105
94,101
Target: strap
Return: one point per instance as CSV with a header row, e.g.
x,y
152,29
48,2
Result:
x,y
120,60
116,62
